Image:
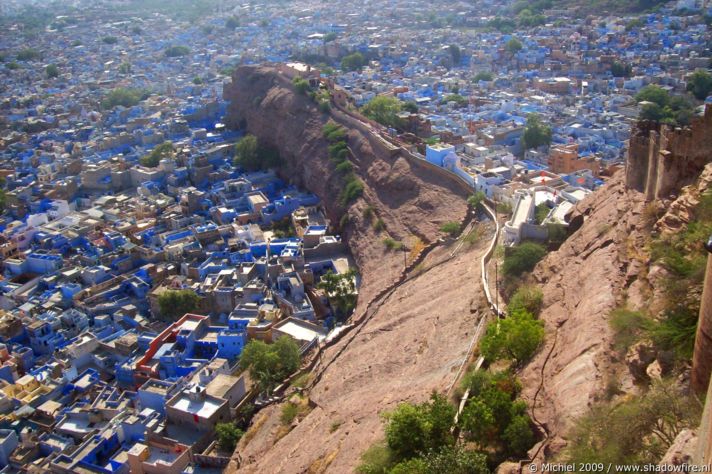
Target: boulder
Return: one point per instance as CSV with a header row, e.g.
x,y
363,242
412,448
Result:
x,y
638,358
681,450
655,371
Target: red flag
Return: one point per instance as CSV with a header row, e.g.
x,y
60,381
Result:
x,y
195,418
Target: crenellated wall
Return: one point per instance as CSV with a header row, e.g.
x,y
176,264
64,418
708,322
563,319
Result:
x,y
662,159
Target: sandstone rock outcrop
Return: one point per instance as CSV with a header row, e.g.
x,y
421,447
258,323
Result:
x,y
413,345
639,358
417,338
582,283
605,264
682,449
412,200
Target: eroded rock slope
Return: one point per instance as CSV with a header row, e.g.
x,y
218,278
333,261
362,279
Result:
x,y
416,340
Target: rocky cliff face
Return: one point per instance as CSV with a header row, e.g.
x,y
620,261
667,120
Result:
x,y
413,201
582,283
606,264
414,344
416,338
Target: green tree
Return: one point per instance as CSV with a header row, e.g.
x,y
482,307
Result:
x,y
628,327
174,304
478,420
270,364
457,98
136,30
410,106
503,25
654,94
516,337
283,228
634,431
153,159
536,133
494,418
501,402
513,46
700,84
125,68
440,416
455,460
527,18
339,152
250,155
410,466
378,459
412,430
527,298
341,289
353,188
110,39
452,228
483,76
519,436
676,331
384,110
634,24
333,132
232,23
455,54
619,69
353,62
176,51
652,111
269,157
331,36
287,351
301,85
52,71
683,115
246,154
28,54
476,199
542,212
660,106
522,258
504,207
228,434
124,97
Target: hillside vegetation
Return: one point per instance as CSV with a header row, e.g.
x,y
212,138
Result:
x,y
589,6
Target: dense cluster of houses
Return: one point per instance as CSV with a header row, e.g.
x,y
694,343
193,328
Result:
x,y
95,375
